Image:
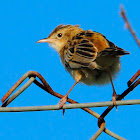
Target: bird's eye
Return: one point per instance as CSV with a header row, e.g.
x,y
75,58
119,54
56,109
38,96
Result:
x,y
59,35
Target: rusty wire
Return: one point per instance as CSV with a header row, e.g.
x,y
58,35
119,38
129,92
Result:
x,y
120,97
127,25
44,85
47,88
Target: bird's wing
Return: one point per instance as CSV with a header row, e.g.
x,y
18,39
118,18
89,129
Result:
x,y
86,46
80,53
105,47
113,50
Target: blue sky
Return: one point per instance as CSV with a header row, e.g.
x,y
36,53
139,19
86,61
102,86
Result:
x,y
22,24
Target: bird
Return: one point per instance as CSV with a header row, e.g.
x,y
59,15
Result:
x,y
87,55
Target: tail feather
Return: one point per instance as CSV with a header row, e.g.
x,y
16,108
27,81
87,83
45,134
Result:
x,y
113,50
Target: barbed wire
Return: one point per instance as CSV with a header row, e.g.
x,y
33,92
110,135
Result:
x,y
44,85
67,106
132,83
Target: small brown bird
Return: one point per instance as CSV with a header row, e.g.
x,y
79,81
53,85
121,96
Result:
x,y
88,56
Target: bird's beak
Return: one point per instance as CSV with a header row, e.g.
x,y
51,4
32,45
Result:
x,y
48,40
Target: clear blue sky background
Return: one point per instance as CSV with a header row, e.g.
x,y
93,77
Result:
x,y
26,21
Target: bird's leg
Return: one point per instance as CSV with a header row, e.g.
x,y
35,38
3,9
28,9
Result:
x,y
114,92
64,99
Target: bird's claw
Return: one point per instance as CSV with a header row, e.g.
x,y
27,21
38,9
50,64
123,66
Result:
x,y
114,100
62,101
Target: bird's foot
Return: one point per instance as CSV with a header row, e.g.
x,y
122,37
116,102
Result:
x,y
114,99
63,101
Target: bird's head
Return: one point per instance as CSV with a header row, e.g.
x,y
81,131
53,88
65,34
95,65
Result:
x,y
59,37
